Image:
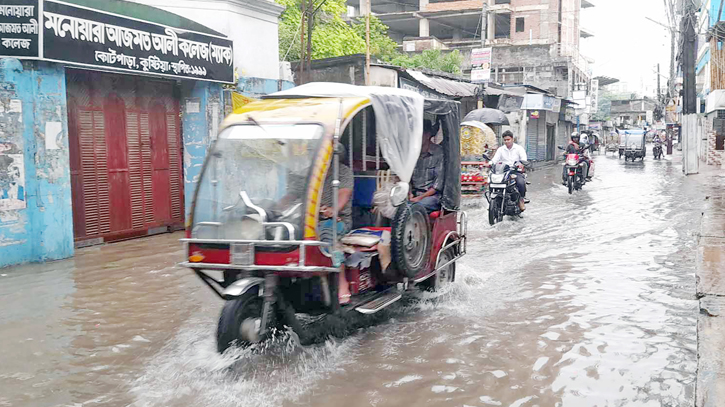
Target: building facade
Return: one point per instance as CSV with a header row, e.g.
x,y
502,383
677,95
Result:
x,y
106,113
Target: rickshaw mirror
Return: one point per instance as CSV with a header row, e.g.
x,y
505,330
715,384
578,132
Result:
x,y
399,193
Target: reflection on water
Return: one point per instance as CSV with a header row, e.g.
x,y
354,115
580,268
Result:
x,y
587,301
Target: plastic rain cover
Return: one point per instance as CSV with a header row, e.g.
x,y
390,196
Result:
x,y
398,118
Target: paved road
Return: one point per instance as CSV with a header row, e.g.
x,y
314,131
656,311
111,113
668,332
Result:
x,y
587,301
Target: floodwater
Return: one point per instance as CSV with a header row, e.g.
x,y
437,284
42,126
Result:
x,y
589,300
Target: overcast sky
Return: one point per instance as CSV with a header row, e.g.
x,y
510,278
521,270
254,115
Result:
x,y
625,45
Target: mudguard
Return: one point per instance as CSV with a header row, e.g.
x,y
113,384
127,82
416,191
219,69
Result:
x,y
239,287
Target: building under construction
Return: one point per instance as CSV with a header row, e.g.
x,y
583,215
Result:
x,y
535,42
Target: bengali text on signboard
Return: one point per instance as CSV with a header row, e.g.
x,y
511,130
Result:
x,y
89,37
19,28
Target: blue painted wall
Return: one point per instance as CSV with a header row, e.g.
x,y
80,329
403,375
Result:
x,y
38,224
257,87
202,113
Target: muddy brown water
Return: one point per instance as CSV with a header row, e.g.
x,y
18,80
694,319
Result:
x,y
587,301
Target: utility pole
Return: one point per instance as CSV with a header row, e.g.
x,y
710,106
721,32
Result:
x,y
688,60
310,26
659,92
484,23
301,67
367,41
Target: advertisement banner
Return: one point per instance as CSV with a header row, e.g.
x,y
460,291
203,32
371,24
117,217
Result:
x,y
19,28
481,65
79,35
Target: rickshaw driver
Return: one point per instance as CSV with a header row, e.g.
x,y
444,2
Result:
x,y
427,181
511,153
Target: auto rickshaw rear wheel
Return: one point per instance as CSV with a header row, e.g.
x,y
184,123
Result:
x,y
410,239
445,275
240,321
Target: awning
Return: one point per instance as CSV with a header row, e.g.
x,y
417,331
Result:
x,y
445,86
494,91
715,101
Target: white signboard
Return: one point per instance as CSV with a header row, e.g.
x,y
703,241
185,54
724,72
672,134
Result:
x,y
595,95
481,65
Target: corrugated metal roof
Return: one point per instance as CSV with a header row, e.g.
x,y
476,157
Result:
x,y
444,86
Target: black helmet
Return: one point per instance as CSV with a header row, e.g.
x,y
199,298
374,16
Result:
x,y
575,135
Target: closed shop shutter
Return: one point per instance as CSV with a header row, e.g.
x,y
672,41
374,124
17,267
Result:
x,y
125,148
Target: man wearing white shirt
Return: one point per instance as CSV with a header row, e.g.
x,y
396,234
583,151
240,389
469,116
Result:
x,y
511,154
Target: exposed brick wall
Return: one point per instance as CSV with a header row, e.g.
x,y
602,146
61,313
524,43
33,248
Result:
x,y
714,157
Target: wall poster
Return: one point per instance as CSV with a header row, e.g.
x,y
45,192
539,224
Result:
x,y
12,177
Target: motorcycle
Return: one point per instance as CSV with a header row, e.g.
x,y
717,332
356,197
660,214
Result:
x,y
574,164
502,195
657,151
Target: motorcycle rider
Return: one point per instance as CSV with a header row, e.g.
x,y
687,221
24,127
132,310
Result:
x,y
510,154
573,148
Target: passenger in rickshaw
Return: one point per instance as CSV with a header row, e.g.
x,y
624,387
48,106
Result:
x,y
344,212
427,180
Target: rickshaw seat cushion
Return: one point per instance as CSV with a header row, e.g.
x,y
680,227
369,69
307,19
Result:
x,y
367,237
435,214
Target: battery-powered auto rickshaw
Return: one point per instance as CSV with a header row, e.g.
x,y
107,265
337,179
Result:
x,y
478,139
256,235
632,145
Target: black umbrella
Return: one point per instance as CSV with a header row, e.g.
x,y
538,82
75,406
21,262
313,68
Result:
x,y
487,116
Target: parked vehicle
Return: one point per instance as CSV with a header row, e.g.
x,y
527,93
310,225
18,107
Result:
x,y
502,195
574,164
657,151
255,219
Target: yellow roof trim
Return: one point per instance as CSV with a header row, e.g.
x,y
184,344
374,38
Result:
x,y
322,110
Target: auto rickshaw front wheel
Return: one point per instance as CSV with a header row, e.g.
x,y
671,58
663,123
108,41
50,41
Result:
x,y
410,240
240,322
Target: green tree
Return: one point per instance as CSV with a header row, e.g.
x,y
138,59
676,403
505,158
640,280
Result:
x,y
332,36
431,59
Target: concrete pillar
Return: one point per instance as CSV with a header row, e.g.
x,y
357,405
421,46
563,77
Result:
x,y
424,28
203,111
424,24
36,216
363,8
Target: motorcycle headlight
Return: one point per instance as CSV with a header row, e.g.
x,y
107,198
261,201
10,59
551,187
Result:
x,y
570,161
496,178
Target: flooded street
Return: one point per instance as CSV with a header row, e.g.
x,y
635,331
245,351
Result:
x,y
587,301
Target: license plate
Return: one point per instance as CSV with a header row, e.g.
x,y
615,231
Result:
x,y
497,185
241,254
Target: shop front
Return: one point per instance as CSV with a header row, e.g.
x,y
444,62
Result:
x,y
104,122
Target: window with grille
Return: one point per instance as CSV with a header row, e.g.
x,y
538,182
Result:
x,y
503,25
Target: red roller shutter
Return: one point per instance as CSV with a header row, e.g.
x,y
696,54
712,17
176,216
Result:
x,y
125,149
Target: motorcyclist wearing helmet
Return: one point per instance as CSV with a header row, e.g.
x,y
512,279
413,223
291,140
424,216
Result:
x,y
574,148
